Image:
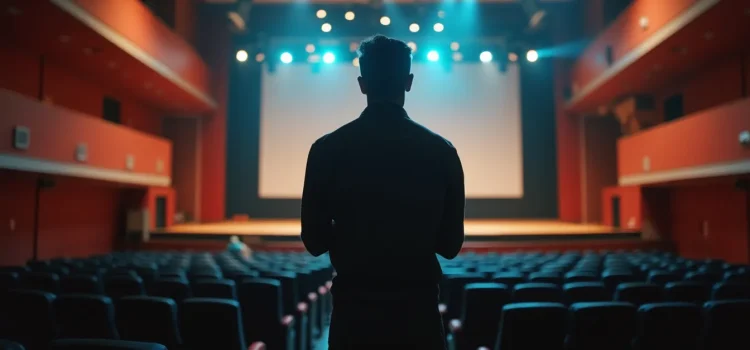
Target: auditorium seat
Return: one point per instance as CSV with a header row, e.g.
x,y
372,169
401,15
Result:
x,y
292,304
213,288
601,325
687,291
577,292
669,325
8,281
730,290
17,269
480,318
725,324
580,276
453,286
102,344
612,278
527,326
85,316
10,345
148,319
537,292
662,277
80,284
262,314
742,276
546,277
220,316
119,286
175,288
509,279
28,317
709,277
44,281
638,293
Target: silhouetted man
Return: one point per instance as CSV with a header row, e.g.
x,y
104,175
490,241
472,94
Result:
x,y
383,195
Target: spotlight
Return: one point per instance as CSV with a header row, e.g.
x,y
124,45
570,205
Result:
x,y
314,58
413,46
485,56
241,55
512,56
310,48
438,27
385,20
532,55
349,15
321,13
433,56
328,58
326,27
455,46
414,27
260,57
355,62
458,57
286,57
441,14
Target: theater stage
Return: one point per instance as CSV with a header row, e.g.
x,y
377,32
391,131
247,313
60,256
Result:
x,y
484,230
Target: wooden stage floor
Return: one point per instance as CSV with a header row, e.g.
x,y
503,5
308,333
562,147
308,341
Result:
x,y
289,229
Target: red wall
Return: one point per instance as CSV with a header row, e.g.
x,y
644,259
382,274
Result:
x,y
183,132
600,145
77,218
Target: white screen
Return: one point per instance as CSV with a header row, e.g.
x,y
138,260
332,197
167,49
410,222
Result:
x,y
474,105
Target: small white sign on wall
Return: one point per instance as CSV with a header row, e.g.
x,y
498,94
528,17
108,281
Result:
x,y
21,137
129,162
82,152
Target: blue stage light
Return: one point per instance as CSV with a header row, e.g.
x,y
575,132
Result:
x,y
433,56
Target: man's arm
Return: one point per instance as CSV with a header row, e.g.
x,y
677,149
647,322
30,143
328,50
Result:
x,y
451,233
316,216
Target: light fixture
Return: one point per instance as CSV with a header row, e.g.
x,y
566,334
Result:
x,y
438,27
310,48
413,46
532,56
314,58
485,56
414,27
643,22
441,14
355,62
512,56
329,58
260,57
326,27
321,13
349,15
455,46
241,55
286,57
385,20
433,56
458,57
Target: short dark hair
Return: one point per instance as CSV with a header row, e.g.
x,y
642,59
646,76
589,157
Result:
x,y
384,64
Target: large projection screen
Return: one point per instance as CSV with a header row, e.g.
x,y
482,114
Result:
x,y
473,105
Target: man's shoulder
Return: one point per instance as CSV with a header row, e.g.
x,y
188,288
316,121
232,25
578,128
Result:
x,y
431,135
336,134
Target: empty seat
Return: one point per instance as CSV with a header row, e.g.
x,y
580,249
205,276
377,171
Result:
x,y
545,277
581,276
28,317
687,291
10,345
221,316
8,281
661,277
537,292
709,277
85,316
262,314
123,285
80,284
509,279
453,286
638,293
175,288
44,281
290,300
612,279
601,325
584,292
102,344
725,324
480,319
148,319
730,290
742,276
213,288
671,325
528,326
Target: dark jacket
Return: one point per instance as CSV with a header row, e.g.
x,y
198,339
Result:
x,y
383,195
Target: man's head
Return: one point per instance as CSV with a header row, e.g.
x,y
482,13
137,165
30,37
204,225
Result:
x,y
385,68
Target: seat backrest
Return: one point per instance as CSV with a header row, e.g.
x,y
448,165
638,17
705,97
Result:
x,y
102,344
662,277
454,287
221,316
175,288
703,276
10,345
123,285
577,292
86,316
509,279
289,289
725,324
148,319
211,288
8,281
546,277
612,278
668,325
687,291
31,317
731,290
580,276
483,304
742,276
638,293
532,326
537,292
261,304
44,281
81,284
601,325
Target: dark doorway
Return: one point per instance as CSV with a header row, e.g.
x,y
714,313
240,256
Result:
x,y
161,212
616,211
